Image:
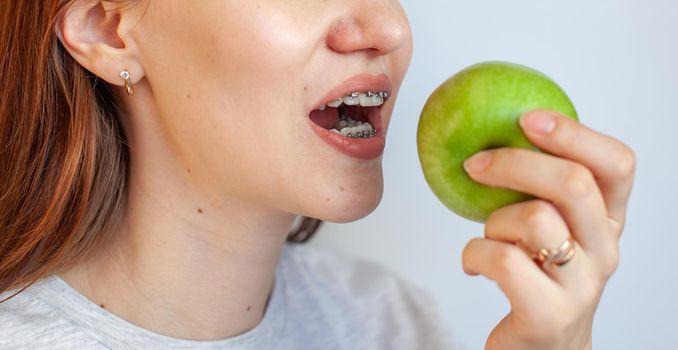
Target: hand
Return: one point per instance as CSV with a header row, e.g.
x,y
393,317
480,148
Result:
x,y
582,182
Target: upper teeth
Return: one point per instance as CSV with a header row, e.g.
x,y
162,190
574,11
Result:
x,y
364,99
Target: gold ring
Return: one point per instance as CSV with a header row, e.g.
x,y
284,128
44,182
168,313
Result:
x,y
559,256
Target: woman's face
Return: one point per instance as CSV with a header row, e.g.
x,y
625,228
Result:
x,y
235,83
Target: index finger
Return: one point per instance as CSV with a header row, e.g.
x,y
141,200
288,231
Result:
x,y
611,162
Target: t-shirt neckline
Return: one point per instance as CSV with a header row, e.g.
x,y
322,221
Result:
x,y
109,328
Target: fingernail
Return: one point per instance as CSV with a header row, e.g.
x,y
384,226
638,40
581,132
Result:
x,y
478,162
539,123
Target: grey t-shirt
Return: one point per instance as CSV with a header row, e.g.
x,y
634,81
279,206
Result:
x,y
320,300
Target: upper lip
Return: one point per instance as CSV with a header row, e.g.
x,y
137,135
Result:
x,y
359,83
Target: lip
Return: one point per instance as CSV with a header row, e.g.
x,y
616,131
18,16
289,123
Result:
x,y
359,148
360,82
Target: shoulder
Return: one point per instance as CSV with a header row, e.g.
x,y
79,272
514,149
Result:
x,y
30,322
391,311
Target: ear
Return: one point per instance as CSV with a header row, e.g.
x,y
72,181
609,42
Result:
x,y
95,34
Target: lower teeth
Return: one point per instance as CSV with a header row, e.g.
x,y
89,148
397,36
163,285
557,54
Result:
x,y
357,135
353,128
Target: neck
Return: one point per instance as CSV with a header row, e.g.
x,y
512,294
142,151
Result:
x,y
184,263
203,278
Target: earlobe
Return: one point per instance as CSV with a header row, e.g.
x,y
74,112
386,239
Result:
x,y
90,34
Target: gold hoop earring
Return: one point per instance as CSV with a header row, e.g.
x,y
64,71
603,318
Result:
x,y
128,81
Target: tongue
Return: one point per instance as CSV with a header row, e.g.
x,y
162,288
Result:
x,y
326,118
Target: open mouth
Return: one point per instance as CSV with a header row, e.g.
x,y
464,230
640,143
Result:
x,y
354,115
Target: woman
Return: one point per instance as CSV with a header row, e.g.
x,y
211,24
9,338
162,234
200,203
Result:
x,y
156,153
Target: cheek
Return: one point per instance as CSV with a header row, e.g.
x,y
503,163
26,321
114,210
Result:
x,y
224,81
243,53
231,96
259,50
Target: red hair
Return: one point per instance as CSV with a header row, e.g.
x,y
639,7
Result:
x,y
63,152
63,159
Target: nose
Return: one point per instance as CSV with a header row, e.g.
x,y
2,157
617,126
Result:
x,y
375,26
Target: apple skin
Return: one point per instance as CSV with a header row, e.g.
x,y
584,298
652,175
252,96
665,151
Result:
x,y
475,110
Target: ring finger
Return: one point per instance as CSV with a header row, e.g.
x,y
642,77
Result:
x,y
534,225
570,186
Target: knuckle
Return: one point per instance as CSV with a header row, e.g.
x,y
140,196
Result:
x,y
493,220
567,133
506,262
610,260
539,216
578,181
471,245
510,160
624,162
468,251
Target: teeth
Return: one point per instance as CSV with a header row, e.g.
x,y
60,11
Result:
x,y
370,99
349,127
336,103
356,130
352,99
354,133
364,99
365,134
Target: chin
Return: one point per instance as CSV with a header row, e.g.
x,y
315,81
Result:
x,y
349,205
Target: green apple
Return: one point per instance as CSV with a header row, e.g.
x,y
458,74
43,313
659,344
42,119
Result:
x,y
474,110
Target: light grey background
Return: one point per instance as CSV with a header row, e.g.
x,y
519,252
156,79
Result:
x,y
618,61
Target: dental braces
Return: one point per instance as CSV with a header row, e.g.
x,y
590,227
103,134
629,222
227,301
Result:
x,y
362,134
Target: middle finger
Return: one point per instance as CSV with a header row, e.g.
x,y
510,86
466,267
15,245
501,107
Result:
x,y
568,185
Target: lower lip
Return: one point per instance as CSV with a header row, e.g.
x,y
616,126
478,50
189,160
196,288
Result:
x,y
359,148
